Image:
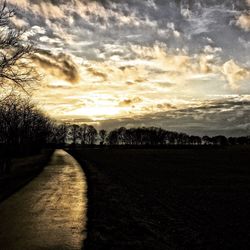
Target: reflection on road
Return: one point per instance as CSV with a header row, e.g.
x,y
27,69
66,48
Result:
x,y
48,213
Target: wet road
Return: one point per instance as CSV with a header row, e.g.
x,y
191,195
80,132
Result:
x,y
48,213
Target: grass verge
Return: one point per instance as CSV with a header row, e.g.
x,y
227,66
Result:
x,y
22,170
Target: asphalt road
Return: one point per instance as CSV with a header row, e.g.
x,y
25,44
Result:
x,y
49,212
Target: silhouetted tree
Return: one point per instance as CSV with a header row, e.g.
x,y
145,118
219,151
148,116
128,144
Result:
x,y
243,140
171,137
194,140
102,135
87,134
220,140
91,135
22,122
121,135
150,136
74,133
16,69
58,134
112,137
23,128
232,140
182,138
84,133
206,140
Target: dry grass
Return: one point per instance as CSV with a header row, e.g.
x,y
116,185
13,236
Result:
x,y
22,170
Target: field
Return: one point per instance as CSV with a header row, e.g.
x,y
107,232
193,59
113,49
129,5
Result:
x,y
196,198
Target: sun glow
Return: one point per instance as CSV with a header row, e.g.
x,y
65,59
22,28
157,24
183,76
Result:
x,y
96,112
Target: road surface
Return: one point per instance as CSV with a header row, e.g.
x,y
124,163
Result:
x,y
48,213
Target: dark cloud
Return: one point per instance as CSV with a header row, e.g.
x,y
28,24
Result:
x,y
130,102
61,65
97,73
166,105
225,117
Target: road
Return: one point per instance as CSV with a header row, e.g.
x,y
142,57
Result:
x,y
49,212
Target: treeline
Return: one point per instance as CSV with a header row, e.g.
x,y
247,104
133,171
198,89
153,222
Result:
x,y
154,136
151,136
25,128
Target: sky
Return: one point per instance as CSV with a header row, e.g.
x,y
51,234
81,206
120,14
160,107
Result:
x,y
183,65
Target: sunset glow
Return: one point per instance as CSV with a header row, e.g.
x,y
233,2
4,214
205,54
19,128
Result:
x,y
175,64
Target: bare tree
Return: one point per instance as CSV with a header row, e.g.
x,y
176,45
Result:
x,y
112,137
62,131
102,135
24,129
22,123
92,134
74,133
16,69
58,133
88,134
84,133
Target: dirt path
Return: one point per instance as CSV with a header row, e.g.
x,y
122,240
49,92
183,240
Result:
x,y
48,213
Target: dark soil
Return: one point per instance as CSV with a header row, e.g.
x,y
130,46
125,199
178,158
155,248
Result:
x,y
159,199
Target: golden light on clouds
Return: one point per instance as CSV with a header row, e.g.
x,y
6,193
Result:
x,y
244,21
116,60
114,89
96,112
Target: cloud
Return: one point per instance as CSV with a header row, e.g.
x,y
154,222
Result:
x,y
170,52
165,106
223,116
130,102
234,73
47,9
61,66
97,73
211,50
179,67
18,22
244,22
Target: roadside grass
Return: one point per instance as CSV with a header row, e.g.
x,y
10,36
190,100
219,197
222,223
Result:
x,y
22,170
